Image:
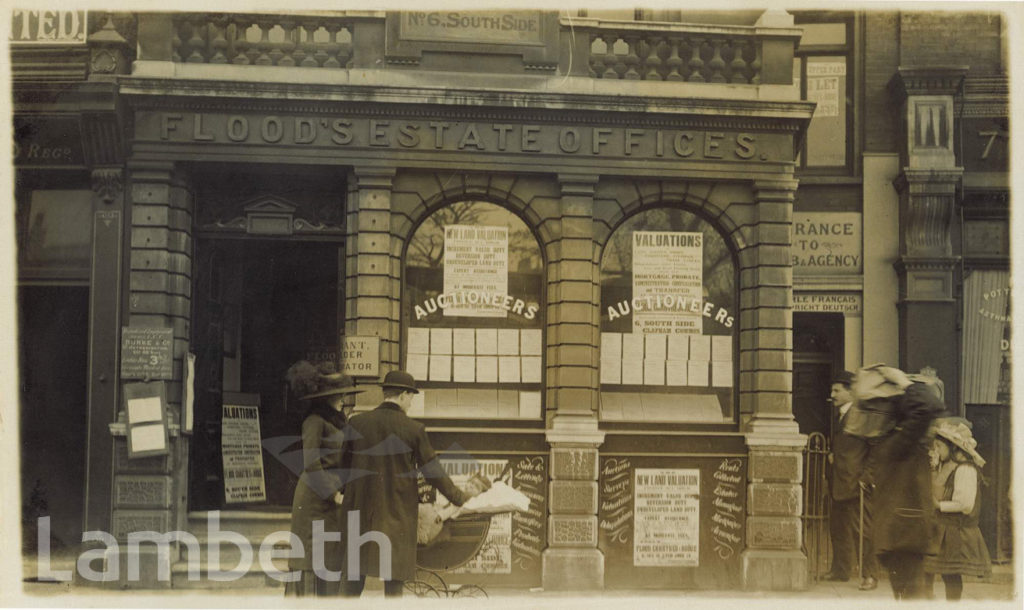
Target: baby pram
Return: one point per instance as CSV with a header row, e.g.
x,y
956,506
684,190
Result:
x,y
451,537
460,540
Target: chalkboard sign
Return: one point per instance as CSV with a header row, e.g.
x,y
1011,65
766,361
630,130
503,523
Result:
x,y
147,353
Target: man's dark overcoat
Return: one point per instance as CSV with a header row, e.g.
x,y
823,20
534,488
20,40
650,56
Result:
x,y
903,505
383,451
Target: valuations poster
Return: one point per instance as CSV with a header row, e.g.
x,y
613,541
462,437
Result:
x,y
242,456
667,273
475,269
666,522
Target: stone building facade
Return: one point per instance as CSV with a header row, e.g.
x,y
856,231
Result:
x,y
225,194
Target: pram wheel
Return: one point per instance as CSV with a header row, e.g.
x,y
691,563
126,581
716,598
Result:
x,y
421,589
469,591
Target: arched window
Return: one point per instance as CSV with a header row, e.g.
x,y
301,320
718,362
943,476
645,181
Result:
x,y
669,321
472,309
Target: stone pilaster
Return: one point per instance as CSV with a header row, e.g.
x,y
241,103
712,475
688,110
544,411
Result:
x,y
773,559
149,494
373,264
572,560
927,187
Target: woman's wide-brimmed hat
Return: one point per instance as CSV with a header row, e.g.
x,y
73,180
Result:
x,y
960,436
334,383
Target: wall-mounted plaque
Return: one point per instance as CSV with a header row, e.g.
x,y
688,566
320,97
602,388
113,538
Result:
x,y
360,356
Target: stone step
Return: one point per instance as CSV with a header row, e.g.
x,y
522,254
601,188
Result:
x,y
254,525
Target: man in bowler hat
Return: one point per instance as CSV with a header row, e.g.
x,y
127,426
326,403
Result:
x,y
384,450
849,475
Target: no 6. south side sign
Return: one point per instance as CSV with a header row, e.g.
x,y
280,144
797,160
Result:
x,y
347,132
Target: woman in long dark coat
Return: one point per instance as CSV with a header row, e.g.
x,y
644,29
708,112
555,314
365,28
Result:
x,y
318,491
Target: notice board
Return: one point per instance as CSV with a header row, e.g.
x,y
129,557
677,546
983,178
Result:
x,y
241,449
672,522
147,353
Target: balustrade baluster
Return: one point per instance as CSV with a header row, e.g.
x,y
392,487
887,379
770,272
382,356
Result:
x,y
194,45
632,60
717,64
696,63
344,46
674,62
218,42
652,59
597,65
176,25
304,53
240,47
738,66
755,64
264,46
612,60
333,46
287,46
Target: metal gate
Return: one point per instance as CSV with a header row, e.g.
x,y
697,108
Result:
x,y
817,542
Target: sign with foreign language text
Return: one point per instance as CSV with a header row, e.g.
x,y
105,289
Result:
x,y
820,302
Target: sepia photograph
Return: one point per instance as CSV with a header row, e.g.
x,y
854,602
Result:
x,y
679,304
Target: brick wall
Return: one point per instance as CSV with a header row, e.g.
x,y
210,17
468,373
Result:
x,y
951,39
880,62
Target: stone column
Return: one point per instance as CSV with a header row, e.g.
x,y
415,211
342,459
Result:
x,y
373,267
773,558
150,494
572,560
927,186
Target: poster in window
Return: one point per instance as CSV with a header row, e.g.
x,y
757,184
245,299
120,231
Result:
x,y
823,86
666,507
475,270
667,282
241,454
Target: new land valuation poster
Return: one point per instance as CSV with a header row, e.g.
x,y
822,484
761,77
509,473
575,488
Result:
x,y
242,456
666,508
475,268
667,279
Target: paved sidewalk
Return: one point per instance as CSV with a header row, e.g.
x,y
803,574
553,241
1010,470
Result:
x,y
997,592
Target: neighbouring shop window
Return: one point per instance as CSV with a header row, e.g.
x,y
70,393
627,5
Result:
x,y
987,322
669,322
823,72
473,314
56,233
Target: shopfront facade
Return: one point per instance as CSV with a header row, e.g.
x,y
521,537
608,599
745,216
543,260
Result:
x,y
582,236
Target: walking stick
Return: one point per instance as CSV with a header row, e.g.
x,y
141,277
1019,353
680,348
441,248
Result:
x,y
860,535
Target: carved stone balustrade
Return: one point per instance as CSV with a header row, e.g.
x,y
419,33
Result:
x,y
262,40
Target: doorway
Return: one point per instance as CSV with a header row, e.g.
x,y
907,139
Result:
x,y
260,305
817,356
53,363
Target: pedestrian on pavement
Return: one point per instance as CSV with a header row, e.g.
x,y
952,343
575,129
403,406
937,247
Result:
x,y
385,450
850,518
318,491
895,413
957,486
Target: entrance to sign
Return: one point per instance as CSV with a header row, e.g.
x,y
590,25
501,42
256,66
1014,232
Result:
x,y
259,306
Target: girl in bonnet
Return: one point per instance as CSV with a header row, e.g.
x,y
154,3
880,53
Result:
x,y
957,488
